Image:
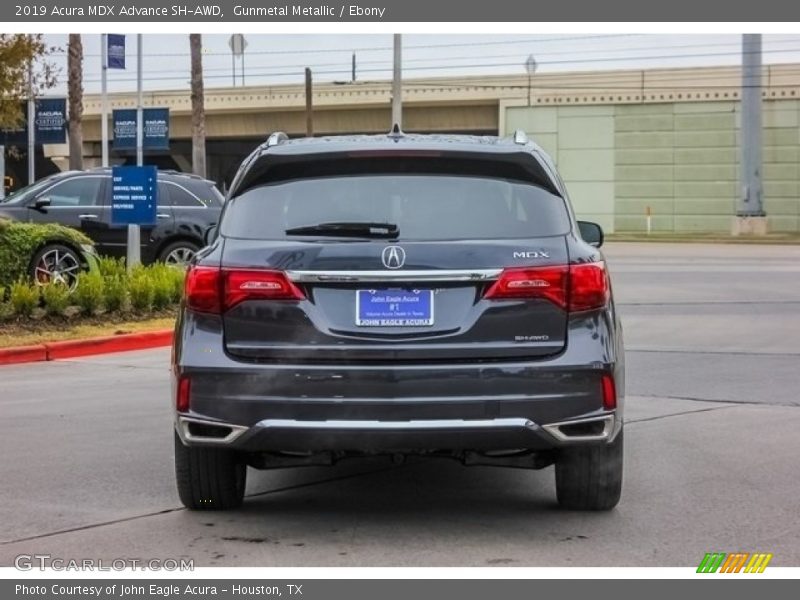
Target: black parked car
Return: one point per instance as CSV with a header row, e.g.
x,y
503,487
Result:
x,y
187,206
399,294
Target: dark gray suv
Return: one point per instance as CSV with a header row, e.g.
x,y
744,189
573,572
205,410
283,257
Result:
x,y
399,294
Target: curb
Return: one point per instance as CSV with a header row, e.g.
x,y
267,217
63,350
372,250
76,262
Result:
x,y
86,347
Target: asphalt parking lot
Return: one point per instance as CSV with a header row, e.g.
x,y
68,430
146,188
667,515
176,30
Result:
x,y
712,446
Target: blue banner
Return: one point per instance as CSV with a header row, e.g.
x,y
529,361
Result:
x,y
134,195
51,121
155,131
18,136
116,51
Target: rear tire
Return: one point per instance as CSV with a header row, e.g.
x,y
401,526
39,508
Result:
x,y
590,477
209,478
178,254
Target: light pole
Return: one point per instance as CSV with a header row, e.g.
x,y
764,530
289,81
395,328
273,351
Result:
x,y
397,83
530,68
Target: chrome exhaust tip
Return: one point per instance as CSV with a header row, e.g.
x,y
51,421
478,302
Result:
x,y
593,429
207,432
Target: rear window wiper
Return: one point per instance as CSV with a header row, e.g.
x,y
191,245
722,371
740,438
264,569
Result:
x,y
348,229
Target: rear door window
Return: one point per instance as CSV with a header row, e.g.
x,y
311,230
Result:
x,y
423,206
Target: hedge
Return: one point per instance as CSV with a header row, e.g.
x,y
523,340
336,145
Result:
x,y
20,241
107,290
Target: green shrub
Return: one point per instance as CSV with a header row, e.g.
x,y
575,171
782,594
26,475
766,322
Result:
x,y
167,284
20,241
177,278
141,290
116,292
24,297
89,293
56,298
112,267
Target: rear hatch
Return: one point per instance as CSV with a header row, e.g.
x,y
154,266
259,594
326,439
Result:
x,y
392,260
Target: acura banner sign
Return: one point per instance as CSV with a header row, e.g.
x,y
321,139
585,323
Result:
x,y
155,130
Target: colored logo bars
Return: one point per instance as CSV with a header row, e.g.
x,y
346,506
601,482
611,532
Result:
x,y
738,562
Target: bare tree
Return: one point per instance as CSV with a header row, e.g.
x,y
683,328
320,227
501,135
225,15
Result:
x,y
198,106
75,93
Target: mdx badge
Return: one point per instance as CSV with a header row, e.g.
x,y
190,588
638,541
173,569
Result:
x,y
532,254
393,257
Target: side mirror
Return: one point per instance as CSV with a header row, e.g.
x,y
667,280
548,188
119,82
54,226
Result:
x,y
591,233
41,203
210,235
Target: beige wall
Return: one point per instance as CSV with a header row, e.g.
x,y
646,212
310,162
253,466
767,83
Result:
x,y
680,159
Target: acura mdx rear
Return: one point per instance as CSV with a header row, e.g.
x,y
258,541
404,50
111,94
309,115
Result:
x,y
399,294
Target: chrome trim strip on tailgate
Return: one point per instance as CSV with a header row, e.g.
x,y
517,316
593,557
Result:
x,y
420,425
401,275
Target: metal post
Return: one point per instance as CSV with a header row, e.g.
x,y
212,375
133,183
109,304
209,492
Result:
x,y
139,102
31,127
233,68
397,90
104,98
134,250
309,105
353,76
751,197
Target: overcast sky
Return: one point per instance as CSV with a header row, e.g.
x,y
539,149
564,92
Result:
x,y
275,59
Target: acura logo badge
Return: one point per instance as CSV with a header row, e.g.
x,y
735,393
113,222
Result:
x,y
393,257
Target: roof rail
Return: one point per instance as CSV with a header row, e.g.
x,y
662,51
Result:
x,y
520,137
276,138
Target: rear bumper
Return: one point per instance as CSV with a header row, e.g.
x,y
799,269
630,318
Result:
x,y
480,406
366,436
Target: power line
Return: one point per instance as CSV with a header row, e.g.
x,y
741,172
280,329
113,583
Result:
x,y
389,48
345,70
226,68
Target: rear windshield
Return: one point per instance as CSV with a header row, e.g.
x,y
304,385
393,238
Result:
x,y
424,207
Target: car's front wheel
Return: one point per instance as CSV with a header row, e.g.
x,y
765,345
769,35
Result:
x,y
56,263
590,477
209,478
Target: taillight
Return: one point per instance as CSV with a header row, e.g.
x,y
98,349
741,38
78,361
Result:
x,y
202,289
184,390
214,290
574,287
609,392
255,284
588,287
549,283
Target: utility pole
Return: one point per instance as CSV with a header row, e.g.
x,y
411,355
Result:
x,y
750,215
309,105
353,75
104,98
397,89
